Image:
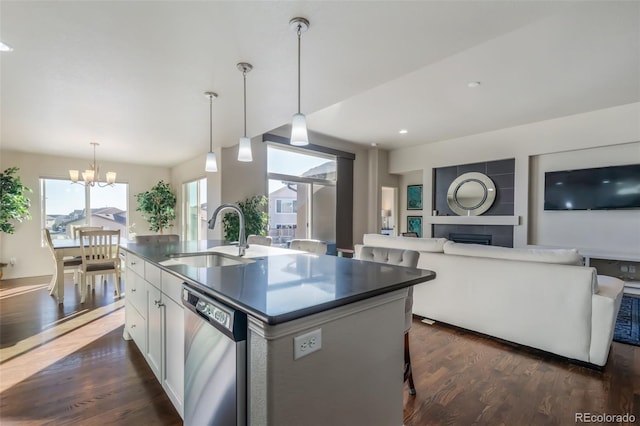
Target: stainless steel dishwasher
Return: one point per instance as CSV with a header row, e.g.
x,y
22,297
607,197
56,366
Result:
x,y
215,353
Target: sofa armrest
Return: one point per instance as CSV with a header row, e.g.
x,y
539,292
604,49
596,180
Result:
x,y
605,307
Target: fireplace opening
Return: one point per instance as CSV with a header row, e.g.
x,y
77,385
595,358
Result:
x,y
470,238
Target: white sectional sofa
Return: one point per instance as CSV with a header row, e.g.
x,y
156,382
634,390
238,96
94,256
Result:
x,y
542,298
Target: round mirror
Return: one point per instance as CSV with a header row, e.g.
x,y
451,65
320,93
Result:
x,y
471,194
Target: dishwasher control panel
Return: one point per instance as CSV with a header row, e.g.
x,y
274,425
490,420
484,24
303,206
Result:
x,y
230,321
215,313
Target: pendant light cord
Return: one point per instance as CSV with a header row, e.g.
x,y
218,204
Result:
x,y
299,37
244,75
210,123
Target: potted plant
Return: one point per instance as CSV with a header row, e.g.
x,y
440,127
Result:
x,y
14,203
158,206
255,218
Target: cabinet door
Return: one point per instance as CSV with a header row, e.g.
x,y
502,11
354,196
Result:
x,y
135,293
154,329
135,326
173,374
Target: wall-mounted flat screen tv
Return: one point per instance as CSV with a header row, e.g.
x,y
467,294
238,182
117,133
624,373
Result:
x,y
601,188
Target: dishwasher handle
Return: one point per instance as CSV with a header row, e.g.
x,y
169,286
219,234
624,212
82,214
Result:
x,y
229,321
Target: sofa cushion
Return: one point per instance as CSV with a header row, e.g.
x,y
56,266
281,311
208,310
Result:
x,y
434,245
560,256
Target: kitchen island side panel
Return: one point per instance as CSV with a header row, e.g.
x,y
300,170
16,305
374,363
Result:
x,y
355,378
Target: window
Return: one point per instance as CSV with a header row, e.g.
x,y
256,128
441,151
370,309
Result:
x,y
64,205
195,221
286,206
302,195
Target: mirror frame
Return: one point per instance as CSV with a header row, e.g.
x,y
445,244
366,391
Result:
x,y
488,196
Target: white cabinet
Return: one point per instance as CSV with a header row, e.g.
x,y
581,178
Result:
x,y
155,321
135,327
173,371
154,329
135,306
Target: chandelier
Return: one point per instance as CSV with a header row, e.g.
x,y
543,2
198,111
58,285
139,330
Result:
x,y
91,176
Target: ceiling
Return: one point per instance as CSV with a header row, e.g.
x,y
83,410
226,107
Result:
x,y
131,74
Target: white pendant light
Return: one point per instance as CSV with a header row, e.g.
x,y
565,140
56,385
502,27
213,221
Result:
x,y
299,136
212,162
244,147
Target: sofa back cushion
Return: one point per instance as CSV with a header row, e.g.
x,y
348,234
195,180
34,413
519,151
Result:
x,y
559,256
434,245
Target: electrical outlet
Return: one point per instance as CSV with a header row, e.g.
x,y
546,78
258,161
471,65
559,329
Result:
x,y
12,261
624,268
307,343
632,269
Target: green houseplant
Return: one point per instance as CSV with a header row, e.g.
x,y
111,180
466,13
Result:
x,y
14,201
255,218
158,206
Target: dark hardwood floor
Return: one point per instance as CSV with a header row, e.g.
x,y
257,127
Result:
x,y
69,365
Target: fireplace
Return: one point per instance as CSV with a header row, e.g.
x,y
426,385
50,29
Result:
x,y
470,238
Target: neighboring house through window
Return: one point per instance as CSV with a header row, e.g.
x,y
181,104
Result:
x,y
65,206
302,200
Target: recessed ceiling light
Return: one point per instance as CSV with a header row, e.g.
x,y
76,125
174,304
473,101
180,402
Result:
x,y
5,48
473,84
403,131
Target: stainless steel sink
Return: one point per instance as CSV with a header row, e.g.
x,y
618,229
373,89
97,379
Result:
x,y
205,260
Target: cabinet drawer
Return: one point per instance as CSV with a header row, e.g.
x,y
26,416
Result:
x,y
136,293
152,274
135,264
172,287
136,327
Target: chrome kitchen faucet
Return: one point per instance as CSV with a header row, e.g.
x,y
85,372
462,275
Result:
x,y
242,242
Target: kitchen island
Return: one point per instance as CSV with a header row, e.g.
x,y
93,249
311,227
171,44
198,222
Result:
x,y
352,376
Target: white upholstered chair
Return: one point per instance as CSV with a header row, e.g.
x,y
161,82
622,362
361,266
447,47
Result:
x,y
260,240
100,255
400,257
311,246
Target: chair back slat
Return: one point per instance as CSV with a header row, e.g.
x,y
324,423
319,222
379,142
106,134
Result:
x,y
77,229
100,247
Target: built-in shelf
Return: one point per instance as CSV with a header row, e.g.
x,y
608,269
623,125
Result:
x,y
473,220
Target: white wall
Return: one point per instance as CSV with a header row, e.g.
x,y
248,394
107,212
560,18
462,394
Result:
x,y
602,128
615,231
25,243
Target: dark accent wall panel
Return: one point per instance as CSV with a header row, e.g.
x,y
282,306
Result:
x,y
502,235
502,173
344,203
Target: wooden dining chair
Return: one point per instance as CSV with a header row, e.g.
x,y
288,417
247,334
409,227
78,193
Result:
x,y
69,263
77,229
100,256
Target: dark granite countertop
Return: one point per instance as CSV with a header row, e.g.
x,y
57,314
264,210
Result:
x,y
285,285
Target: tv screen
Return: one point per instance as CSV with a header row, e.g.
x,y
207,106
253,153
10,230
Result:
x,y
600,188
